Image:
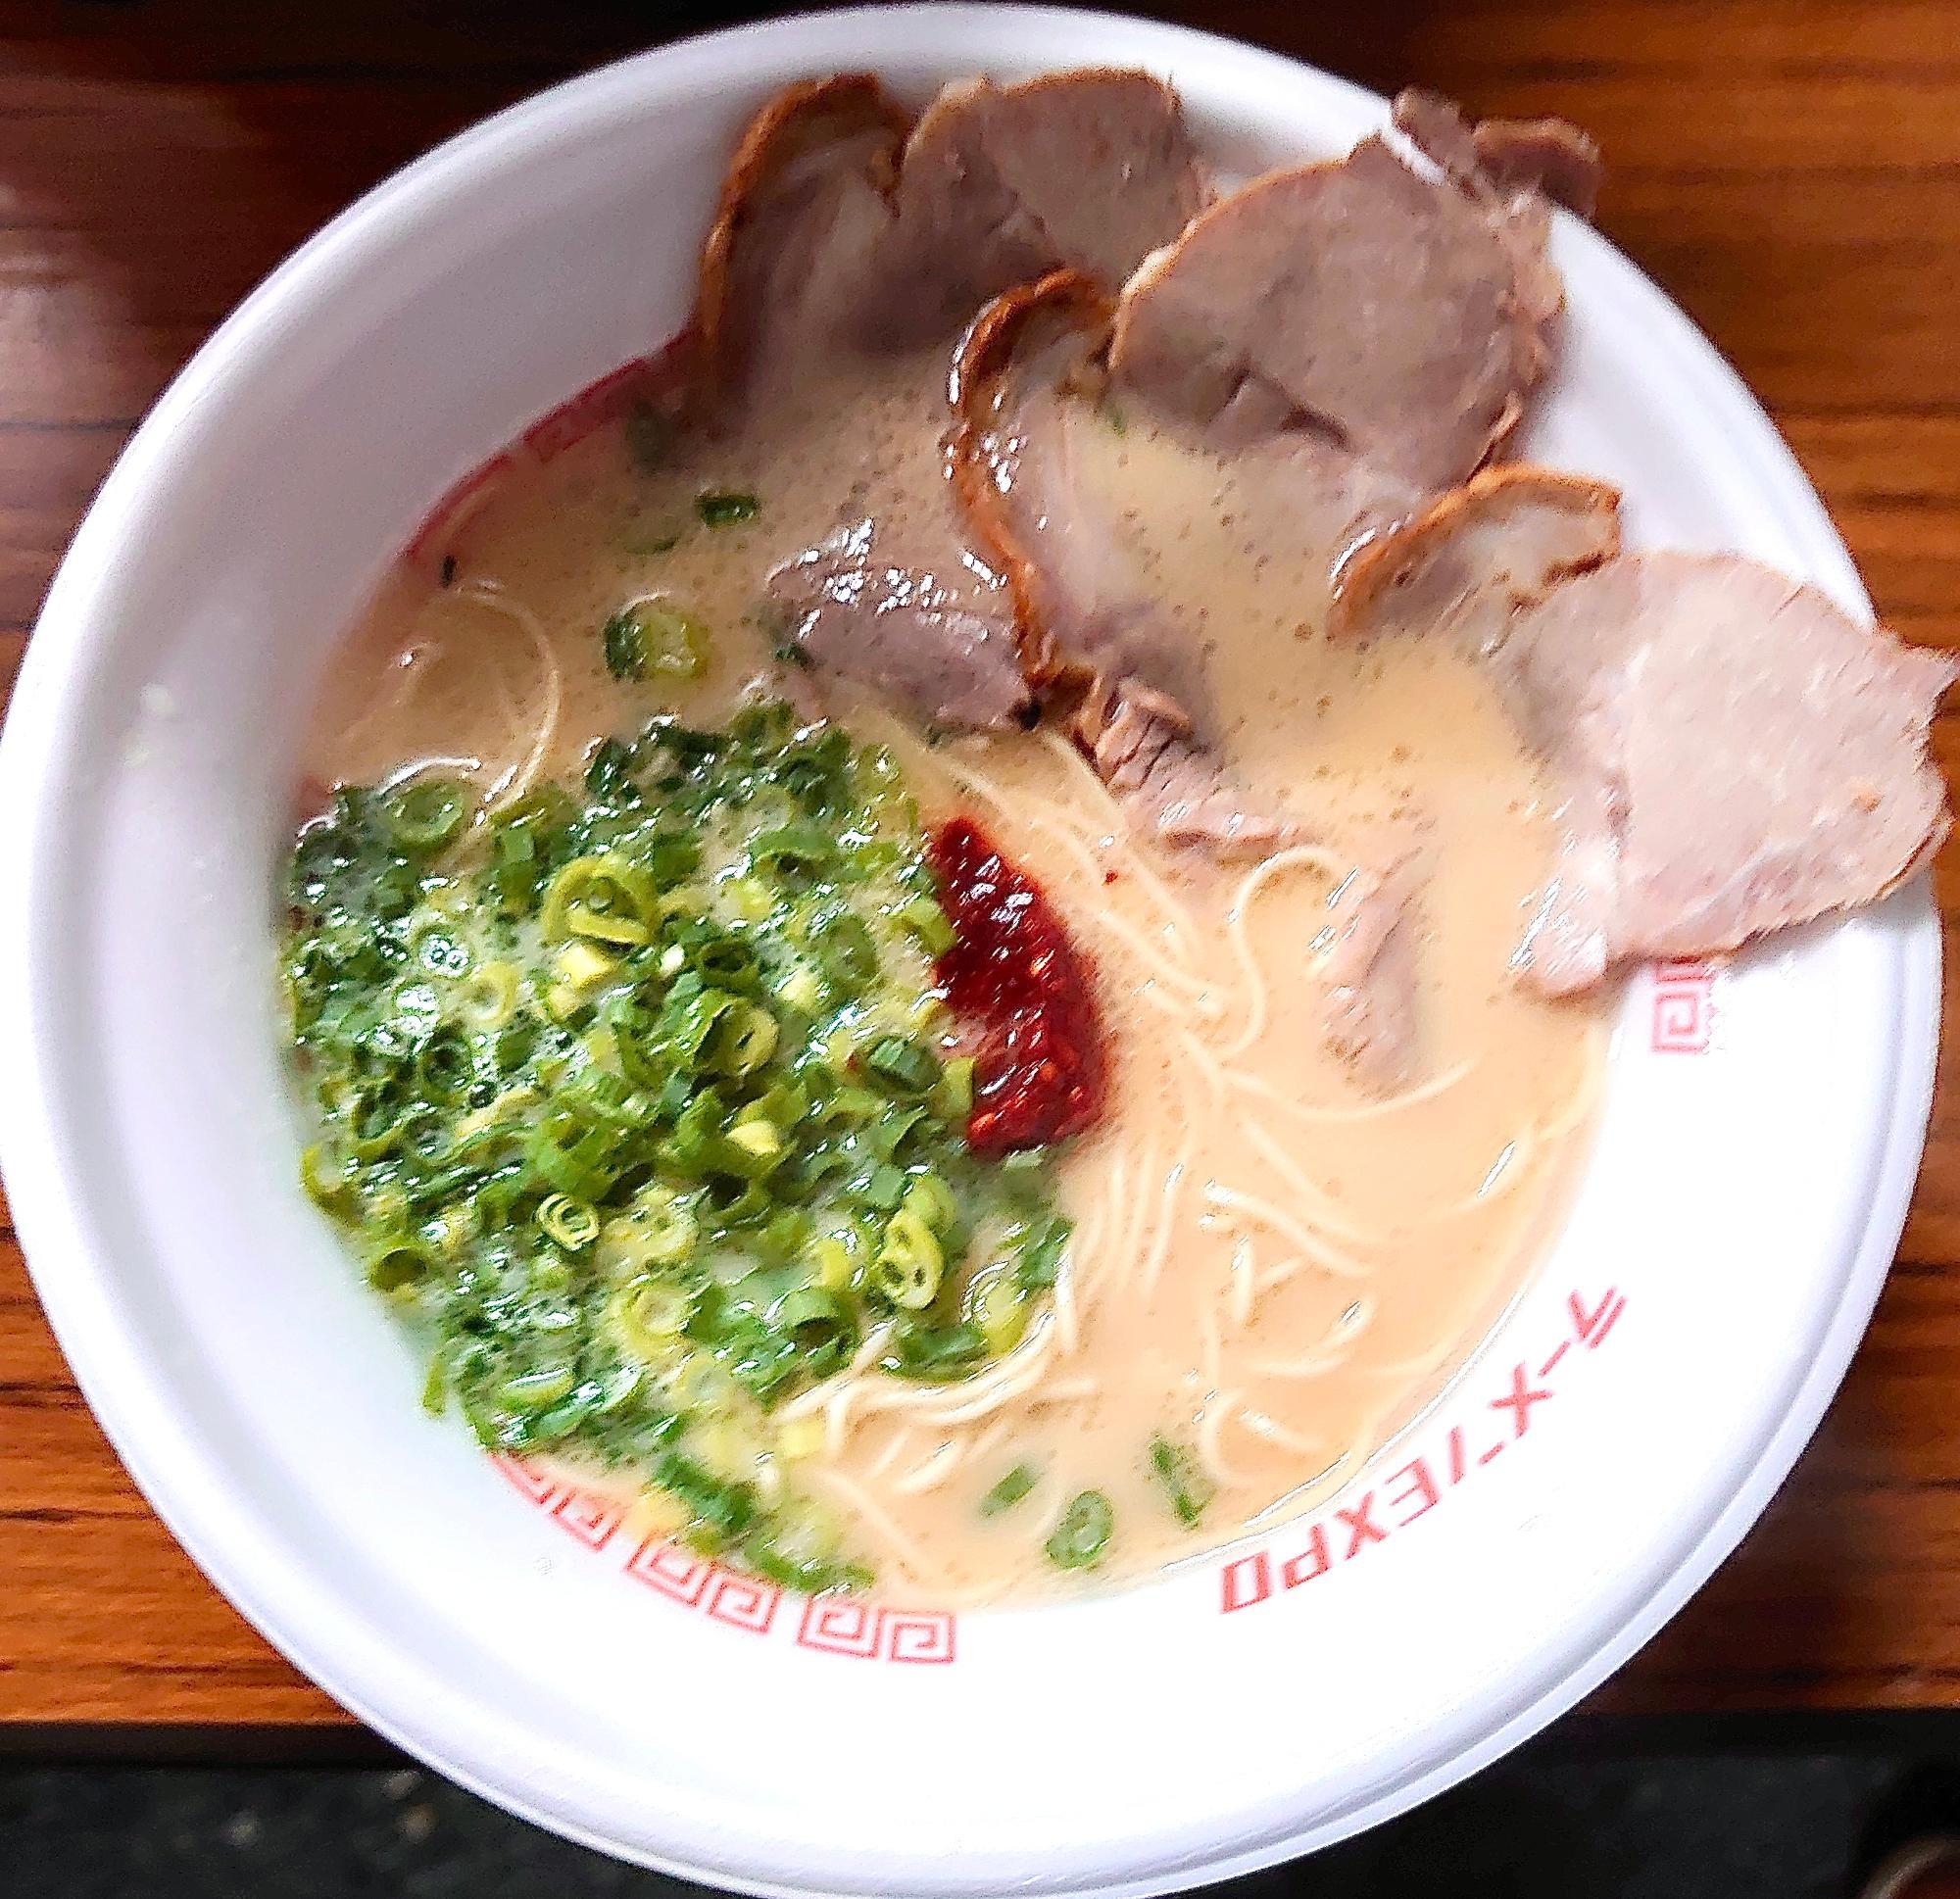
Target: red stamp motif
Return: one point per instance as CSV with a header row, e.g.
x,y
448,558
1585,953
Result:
x,y
586,1518
918,1635
1409,1493
836,1624
531,1483
673,1572
579,1514
1684,1007
743,1602
840,1626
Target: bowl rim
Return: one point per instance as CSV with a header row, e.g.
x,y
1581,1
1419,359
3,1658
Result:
x,y
46,1183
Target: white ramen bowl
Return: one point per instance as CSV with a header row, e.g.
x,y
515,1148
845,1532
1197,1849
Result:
x,y
1604,1448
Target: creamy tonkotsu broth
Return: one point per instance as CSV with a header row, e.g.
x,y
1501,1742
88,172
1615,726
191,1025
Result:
x,y
1271,1266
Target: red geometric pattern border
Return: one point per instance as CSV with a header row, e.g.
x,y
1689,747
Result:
x,y
835,1625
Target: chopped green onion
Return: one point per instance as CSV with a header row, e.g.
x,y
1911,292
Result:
x,y
415,1006
1083,1533
1041,1252
953,1096
936,1352
440,953
608,771
758,1140
850,958
906,1271
325,1176
640,1107
625,644
727,959
997,1303
831,1259
380,1112
689,1014
575,1159
649,1316
885,1188
745,1206
534,1390
745,1038
659,1229
924,918
1184,1484
932,1200
1008,1492
722,1511
425,814
799,988
446,1067
573,1224
656,638
818,1324
750,897
603,897
398,1265
726,507
489,996
697,1128
902,1065
799,848
856,1108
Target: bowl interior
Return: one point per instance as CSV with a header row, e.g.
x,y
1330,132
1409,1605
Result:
x,y
1624,1423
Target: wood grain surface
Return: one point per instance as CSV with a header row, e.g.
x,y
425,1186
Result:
x,y
1788,170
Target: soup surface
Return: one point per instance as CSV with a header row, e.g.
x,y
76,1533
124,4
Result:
x,y
1261,1267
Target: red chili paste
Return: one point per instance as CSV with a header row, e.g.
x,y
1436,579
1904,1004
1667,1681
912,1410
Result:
x,y
1022,990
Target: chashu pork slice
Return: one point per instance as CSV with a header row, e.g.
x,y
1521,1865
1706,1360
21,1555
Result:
x,y
802,218
1029,382
870,606
841,225
1030,379
1395,313
849,243
1503,158
893,599
1735,752
1732,752
1468,561
1368,960
1032,387
1175,787
1090,170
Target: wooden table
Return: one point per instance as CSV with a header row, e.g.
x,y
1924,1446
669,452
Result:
x,y
1789,170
